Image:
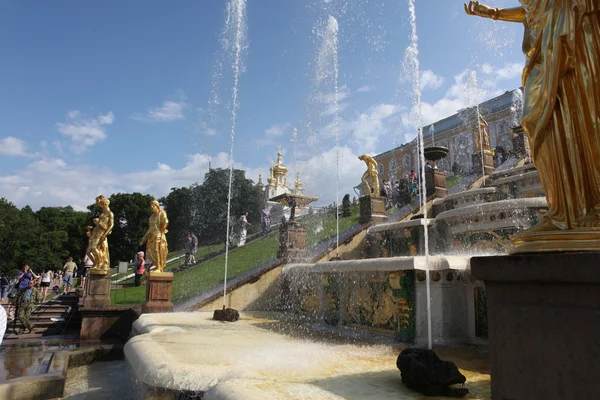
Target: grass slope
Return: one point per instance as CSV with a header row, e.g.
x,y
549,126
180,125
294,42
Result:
x,y
194,281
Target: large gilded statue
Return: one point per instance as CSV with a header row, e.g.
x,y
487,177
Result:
x,y
482,132
371,173
97,249
156,237
561,116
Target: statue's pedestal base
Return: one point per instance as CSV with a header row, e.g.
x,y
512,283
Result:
x,y
372,208
97,289
106,322
543,324
292,242
488,162
159,286
435,183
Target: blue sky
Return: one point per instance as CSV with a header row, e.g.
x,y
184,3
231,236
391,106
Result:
x,y
101,97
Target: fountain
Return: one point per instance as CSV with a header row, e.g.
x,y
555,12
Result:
x,y
435,180
303,334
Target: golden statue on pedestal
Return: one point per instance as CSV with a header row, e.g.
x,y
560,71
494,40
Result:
x,y
561,116
482,133
156,237
97,249
371,173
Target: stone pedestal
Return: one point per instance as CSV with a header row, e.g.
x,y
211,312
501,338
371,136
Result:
x,y
435,183
372,208
292,242
544,324
97,290
488,161
106,322
159,287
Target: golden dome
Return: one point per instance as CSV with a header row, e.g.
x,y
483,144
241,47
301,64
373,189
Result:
x,y
279,168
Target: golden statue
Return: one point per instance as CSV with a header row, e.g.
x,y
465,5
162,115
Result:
x,y
372,174
482,133
156,237
97,249
561,116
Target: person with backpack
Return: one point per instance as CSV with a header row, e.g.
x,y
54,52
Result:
x,y
26,300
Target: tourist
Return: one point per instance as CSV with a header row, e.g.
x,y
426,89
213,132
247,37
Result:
x,y
139,268
243,228
24,277
194,247
428,167
4,284
189,248
26,300
87,264
69,269
265,219
47,277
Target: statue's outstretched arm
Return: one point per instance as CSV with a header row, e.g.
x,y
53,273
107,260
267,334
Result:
x,y
515,14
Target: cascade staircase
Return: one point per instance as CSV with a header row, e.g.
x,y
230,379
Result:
x,y
53,317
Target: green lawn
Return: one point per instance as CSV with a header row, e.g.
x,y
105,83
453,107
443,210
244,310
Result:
x,y
204,276
320,229
452,181
202,251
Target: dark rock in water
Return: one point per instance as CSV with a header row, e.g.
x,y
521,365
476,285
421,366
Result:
x,y
422,370
226,314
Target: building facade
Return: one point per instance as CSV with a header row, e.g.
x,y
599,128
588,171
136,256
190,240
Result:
x,y
457,133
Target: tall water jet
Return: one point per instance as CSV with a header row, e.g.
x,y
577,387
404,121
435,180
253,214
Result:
x,y
328,69
234,42
412,60
473,92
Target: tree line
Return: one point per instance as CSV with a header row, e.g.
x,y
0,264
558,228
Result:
x,y
48,236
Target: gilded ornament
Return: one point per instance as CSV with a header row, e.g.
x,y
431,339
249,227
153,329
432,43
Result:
x,y
561,116
97,249
156,237
372,188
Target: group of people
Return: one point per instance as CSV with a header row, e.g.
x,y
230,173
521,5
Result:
x,y
191,247
392,191
26,289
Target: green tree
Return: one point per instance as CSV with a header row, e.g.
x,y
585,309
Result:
x,y
346,206
9,222
182,209
65,228
211,199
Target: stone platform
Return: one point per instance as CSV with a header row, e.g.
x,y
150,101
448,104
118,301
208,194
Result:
x,y
544,324
254,358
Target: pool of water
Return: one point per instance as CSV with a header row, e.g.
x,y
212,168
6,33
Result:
x,y
257,357
100,381
26,360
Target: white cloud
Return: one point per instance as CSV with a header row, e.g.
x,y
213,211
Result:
x,y
84,133
210,132
464,92
278,129
366,88
328,100
509,71
54,182
429,80
323,185
12,146
167,112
